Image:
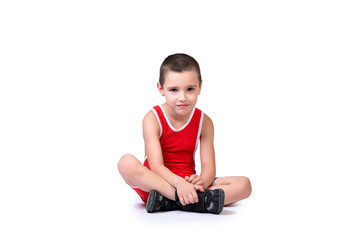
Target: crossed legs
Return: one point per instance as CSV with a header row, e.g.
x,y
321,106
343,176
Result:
x,y
135,174
235,188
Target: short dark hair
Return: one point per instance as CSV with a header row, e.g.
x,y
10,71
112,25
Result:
x,y
179,62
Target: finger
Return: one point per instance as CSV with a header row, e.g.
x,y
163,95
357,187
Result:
x,y
196,197
196,180
199,188
182,201
200,182
192,177
191,197
187,200
186,178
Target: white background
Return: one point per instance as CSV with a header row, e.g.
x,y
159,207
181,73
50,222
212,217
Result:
x,y
281,83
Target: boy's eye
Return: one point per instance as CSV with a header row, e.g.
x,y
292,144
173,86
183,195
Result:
x,y
191,89
173,90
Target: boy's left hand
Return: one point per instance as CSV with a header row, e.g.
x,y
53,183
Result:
x,y
195,180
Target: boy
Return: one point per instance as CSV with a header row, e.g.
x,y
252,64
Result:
x,y
172,132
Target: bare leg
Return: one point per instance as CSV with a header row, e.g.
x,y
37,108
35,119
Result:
x,y
137,175
235,188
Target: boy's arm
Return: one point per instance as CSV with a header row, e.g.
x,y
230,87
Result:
x,y
207,152
151,129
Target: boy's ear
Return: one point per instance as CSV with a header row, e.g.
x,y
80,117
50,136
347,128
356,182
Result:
x,y
200,87
161,91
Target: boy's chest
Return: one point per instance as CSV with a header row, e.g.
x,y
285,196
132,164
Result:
x,y
183,141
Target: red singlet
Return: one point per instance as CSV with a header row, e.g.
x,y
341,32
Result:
x,y
178,145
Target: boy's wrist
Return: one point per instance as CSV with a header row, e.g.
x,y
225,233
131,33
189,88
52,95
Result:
x,y
207,179
179,181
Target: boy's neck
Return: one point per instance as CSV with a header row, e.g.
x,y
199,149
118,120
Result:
x,y
176,120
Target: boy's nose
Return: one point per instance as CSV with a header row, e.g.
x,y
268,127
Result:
x,y
181,96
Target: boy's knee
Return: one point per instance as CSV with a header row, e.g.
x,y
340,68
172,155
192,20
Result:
x,y
126,164
247,186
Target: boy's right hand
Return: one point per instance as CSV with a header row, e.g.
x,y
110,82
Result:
x,y
187,193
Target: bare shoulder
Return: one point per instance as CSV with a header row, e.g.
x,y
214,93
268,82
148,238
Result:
x,y
149,117
207,120
207,126
150,123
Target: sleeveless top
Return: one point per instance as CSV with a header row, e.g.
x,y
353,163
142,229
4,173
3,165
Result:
x,y
179,145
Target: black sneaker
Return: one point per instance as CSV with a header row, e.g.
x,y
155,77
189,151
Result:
x,y
157,202
210,201
214,200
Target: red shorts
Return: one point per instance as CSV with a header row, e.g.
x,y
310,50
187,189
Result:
x,y
144,195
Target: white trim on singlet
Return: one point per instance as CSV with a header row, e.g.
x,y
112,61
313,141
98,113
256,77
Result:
x,y
157,117
169,123
199,133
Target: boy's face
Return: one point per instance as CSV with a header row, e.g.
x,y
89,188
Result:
x,y
180,90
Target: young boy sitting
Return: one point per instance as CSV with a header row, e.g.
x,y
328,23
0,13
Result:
x,y
167,179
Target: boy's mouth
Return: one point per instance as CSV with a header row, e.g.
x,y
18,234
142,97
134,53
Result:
x,y
182,105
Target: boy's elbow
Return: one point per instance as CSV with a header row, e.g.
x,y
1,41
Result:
x,y
156,167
